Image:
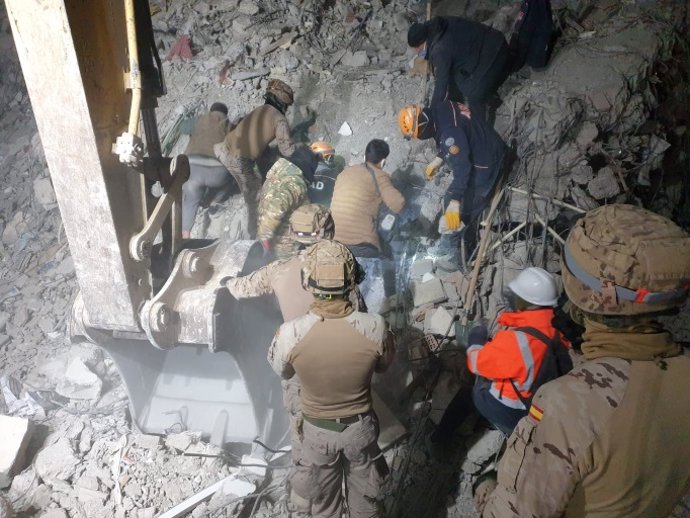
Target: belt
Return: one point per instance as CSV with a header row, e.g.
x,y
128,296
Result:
x,y
337,424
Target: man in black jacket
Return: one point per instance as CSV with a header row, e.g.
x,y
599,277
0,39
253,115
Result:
x,y
468,59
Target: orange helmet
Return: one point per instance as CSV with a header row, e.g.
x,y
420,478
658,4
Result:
x,y
408,119
323,148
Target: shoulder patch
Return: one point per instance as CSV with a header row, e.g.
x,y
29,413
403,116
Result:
x,y
449,141
536,413
454,150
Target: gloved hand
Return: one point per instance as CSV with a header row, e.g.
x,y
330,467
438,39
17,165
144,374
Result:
x,y
433,166
453,215
478,335
267,246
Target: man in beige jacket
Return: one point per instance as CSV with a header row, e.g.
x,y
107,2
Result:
x,y
357,197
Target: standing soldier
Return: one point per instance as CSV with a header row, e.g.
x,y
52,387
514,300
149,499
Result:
x,y
474,152
335,350
285,189
612,438
251,137
205,172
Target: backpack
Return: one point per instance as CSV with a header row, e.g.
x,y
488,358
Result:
x,y
555,364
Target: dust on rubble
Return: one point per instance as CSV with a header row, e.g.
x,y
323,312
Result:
x,y
576,127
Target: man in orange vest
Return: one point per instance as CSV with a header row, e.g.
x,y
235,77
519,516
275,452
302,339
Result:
x,y
529,352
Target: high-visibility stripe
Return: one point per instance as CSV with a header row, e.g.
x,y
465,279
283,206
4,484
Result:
x,y
510,403
528,360
472,354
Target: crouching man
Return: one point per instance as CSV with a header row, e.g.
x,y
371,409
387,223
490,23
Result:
x,y
335,350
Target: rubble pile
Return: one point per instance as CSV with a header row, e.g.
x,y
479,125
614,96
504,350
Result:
x,y
594,127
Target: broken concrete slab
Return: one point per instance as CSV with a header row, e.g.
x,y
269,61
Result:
x,y
57,461
147,441
429,292
440,322
182,441
15,433
421,267
79,382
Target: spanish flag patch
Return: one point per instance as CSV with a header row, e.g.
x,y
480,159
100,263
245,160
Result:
x,y
535,412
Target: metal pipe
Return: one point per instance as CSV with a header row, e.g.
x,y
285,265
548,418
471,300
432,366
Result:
x,y
134,73
510,234
552,200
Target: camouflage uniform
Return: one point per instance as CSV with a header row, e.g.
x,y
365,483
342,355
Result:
x,y
285,189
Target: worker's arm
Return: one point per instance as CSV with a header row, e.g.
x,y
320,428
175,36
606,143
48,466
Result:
x,y
275,211
279,352
285,144
255,284
391,196
441,61
455,147
497,359
387,352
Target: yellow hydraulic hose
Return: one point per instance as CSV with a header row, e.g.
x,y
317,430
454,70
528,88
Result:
x,y
134,74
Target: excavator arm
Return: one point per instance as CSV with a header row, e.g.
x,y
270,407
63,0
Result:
x,y
190,355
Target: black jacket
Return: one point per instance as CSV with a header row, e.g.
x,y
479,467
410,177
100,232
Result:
x,y
462,51
470,147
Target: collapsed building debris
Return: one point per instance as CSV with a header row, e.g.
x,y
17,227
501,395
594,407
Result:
x,y
604,122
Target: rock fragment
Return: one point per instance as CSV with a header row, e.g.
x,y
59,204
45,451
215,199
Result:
x,y
15,433
56,462
79,382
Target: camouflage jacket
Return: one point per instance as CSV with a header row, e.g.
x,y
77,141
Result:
x,y
606,440
284,190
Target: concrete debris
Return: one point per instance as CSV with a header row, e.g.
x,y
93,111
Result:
x,y
421,267
604,185
79,382
345,130
15,433
182,441
482,449
45,195
56,462
440,322
429,292
5,509
54,513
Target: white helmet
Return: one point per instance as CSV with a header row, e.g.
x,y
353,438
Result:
x,y
536,286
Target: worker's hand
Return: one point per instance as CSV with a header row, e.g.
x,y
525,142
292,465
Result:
x,y
453,215
267,246
433,166
478,335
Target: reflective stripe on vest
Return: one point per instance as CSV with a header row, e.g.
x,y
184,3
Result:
x,y
527,359
506,401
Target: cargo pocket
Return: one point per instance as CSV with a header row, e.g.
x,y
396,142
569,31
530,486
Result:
x,y
513,458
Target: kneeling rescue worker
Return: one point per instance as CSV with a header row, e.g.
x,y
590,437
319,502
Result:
x,y
335,350
612,438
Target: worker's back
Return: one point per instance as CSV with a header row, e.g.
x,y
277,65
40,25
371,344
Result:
x,y
253,134
209,129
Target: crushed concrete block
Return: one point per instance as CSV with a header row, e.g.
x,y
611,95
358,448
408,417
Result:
x,y
421,267
57,461
146,441
439,322
79,382
44,193
604,185
430,292
15,433
182,441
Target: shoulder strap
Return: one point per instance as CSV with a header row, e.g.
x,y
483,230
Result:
x,y
373,177
533,331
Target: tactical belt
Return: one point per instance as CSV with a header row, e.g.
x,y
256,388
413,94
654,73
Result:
x,y
337,424
641,295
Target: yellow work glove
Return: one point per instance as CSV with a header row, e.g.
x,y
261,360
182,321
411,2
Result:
x,y
453,215
433,166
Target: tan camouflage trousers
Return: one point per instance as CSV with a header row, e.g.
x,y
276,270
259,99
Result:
x,y
353,454
302,491
285,246
249,182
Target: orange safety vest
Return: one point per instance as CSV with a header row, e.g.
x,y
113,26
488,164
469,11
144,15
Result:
x,y
513,355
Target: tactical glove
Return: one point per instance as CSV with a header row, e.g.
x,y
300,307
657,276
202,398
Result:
x,y
453,215
433,166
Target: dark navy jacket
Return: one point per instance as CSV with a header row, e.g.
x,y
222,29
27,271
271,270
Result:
x,y
470,147
321,187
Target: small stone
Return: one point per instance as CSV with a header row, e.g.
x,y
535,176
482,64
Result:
x,y
44,193
604,185
345,129
15,433
79,382
146,441
248,7
57,461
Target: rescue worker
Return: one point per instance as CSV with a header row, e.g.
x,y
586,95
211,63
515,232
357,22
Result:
x,y
205,171
509,366
530,42
243,145
284,190
474,152
335,350
321,188
308,224
468,59
357,197
612,437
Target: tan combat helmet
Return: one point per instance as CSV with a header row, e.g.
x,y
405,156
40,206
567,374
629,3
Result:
x,y
311,223
624,260
281,91
330,269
